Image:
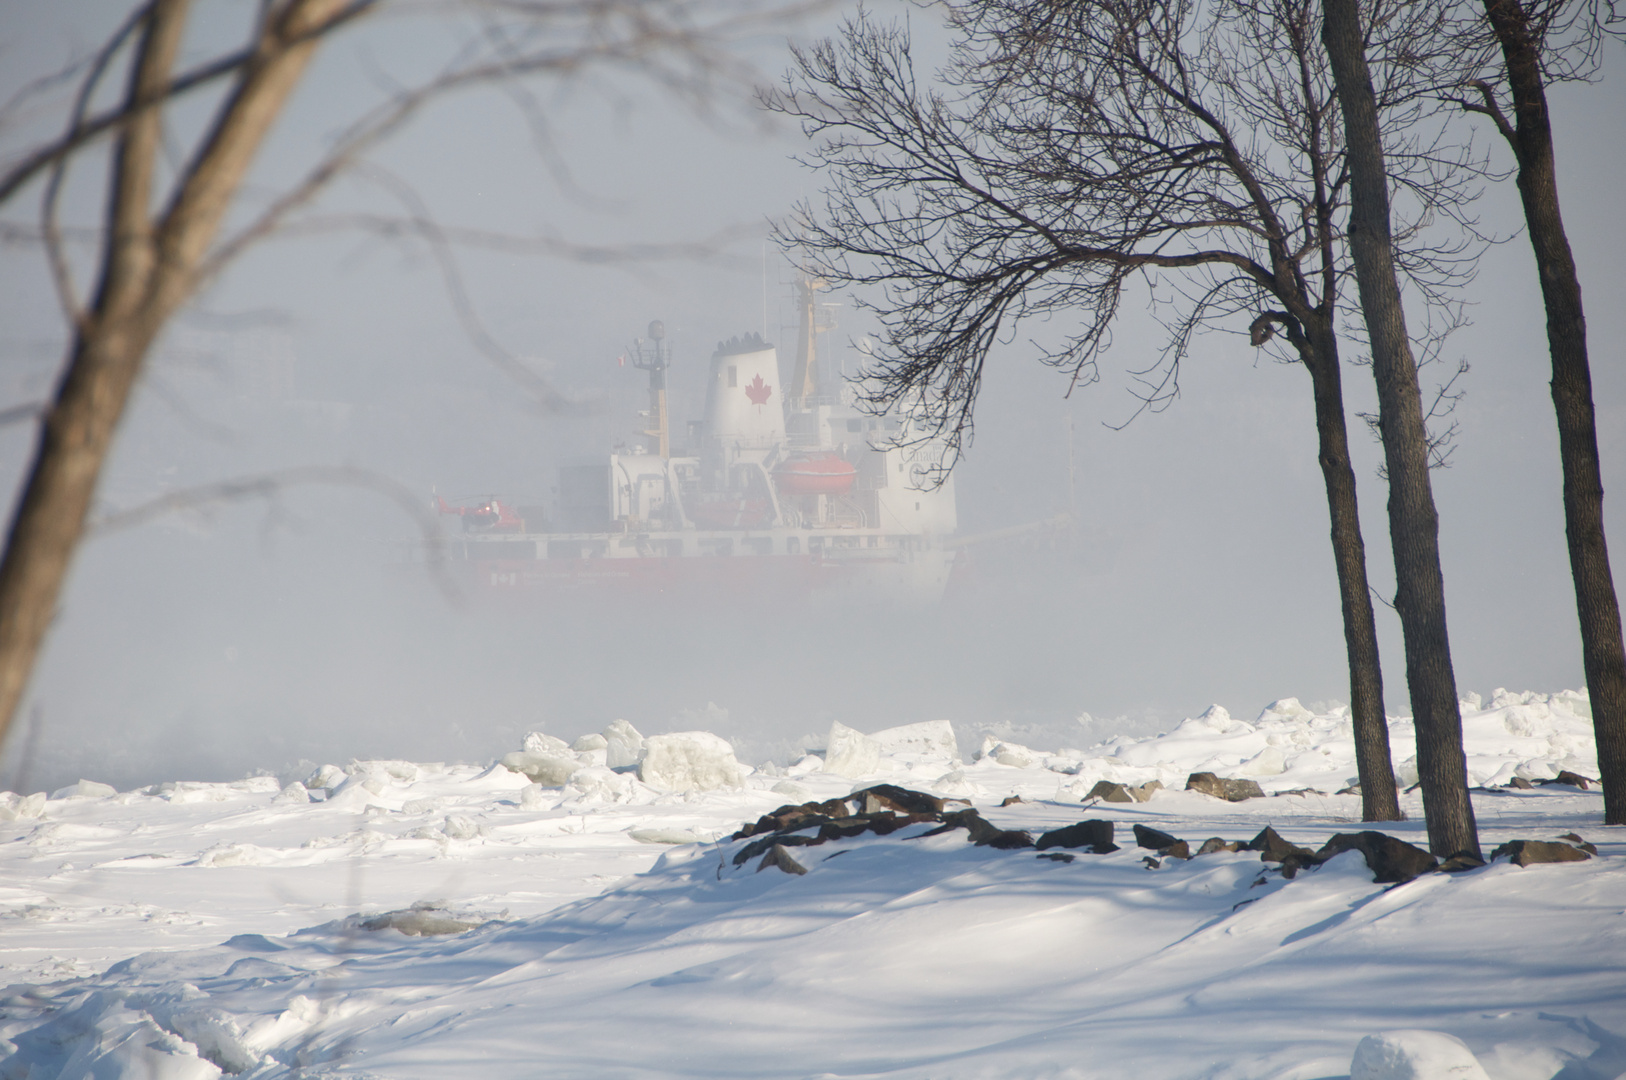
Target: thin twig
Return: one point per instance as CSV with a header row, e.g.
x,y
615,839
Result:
x,y
268,485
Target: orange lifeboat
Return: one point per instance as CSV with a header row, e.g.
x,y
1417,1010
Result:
x,y
815,473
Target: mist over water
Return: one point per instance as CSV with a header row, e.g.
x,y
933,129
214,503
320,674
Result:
x,y
266,633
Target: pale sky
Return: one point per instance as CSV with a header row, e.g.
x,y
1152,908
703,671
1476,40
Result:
x,y
254,637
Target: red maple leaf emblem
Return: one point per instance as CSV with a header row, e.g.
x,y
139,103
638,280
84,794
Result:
x,y
757,392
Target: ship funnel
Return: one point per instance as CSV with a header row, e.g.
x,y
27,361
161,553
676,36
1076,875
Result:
x,y
744,404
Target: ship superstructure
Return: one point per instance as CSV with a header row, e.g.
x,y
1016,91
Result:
x,y
775,495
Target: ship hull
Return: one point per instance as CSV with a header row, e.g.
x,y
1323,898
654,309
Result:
x,y
733,568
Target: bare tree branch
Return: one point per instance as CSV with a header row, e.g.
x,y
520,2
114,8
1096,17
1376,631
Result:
x,y
270,485
111,122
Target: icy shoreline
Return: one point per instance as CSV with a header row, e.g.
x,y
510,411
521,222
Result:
x,y
244,922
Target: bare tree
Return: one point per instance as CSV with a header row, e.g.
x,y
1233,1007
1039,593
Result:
x,y
1413,522
166,234
1541,41
1074,150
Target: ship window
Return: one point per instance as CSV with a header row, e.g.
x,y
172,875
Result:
x,y
855,425
733,375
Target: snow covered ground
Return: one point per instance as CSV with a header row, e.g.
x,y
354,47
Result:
x,y
580,912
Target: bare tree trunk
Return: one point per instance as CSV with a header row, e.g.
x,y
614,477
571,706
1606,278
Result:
x,y
148,270
1602,651
1413,521
1374,764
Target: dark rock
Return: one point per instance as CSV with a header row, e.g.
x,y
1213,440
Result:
x,y
798,816
779,856
1353,789
1093,834
1580,843
1156,839
757,847
1107,791
903,800
1057,856
1214,843
1272,848
1177,850
1521,783
1152,863
1232,790
1526,852
1566,778
843,827
983,833
1462,860
1390,859
1012,800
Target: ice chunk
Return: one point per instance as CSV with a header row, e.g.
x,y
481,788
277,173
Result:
x,y
623,745
87,789
1578,702
596,783
849,752
673,836
460,827
588,743
792,790
928,737
1288,707
538,743
530,797
548,769
217,1035
359,790
328,776
14,807
295,794
1414,1055
1406,773
954,785
689,761
1005,753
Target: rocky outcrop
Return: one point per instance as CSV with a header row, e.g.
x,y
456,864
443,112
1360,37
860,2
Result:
x,y
1095,835
983,833
1528,852
1390,859
1229,789
1272,848
1108,791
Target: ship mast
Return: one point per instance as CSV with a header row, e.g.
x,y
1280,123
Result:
x,y
804,385
654,356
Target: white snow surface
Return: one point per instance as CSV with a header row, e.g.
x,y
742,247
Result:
x,y
416,920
